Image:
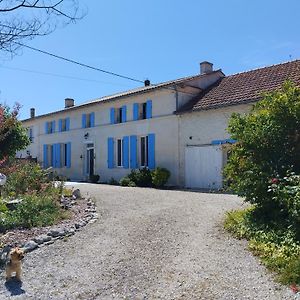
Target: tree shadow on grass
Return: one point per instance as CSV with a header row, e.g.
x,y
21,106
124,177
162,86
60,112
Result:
x,y
14,287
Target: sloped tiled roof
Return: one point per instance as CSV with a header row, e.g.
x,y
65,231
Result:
x,y
245,87
139,90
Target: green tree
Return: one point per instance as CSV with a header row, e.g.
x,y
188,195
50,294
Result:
x,y
268,147
13,137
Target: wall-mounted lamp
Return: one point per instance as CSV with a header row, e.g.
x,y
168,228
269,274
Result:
x,y
81,156
86,135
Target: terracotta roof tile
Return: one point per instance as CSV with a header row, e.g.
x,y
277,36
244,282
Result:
x,y
245,87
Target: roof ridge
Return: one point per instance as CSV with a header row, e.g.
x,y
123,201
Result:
x,y
265,67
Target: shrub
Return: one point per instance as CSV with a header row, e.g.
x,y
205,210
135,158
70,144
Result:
x,y
32,211
160,177
94,178
268,148
141,177
24,177
125,181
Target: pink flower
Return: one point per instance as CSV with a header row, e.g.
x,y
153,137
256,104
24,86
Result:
x,y
274,180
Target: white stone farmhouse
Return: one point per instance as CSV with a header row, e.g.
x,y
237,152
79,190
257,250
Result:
x,y
180,125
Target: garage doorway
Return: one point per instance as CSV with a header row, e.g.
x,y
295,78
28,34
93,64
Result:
x,y
203,167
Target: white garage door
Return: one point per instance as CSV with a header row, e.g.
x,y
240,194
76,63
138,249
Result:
x,y
203,167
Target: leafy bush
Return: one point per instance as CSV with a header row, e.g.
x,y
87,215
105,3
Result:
x,y
24,177
160,177
141,177
268,148
276,244
32,211
94,178
125,181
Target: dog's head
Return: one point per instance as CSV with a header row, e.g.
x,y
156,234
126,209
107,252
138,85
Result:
x,y
16,254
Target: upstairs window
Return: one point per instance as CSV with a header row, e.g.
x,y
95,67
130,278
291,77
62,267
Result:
x,y
118,115
64,124
50,127
142,111
88,120
30,134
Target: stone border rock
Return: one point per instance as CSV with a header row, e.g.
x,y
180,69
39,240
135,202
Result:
x,y
54,233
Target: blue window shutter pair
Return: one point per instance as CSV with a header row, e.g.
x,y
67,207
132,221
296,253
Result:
x,y
112,116
151,151
68,156
133,152
135,111
45,157
110,152
124,114
126,152
149,109
83,121
92,119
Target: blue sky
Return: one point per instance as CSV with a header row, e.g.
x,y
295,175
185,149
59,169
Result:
x,y
159,40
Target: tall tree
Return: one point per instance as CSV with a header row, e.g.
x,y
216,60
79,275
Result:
x,y
21,20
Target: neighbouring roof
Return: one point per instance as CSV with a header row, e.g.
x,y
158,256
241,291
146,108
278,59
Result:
x,y
140,90
244,87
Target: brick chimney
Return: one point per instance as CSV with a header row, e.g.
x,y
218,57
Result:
x,y
206,67
69,102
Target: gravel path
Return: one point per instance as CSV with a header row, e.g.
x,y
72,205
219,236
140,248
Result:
x,y
148,244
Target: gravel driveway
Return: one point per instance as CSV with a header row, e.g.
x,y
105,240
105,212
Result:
x,y
148,244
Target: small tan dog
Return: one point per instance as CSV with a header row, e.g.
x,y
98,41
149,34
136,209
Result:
x,y
14,263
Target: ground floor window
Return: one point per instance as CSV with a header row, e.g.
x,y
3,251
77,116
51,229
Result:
x,y
57,155
144,151
119,152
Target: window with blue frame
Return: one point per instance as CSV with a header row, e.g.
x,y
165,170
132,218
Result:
x,y
131,151
49,127
118,115
88,120
57,155
64,124
30,134
142,111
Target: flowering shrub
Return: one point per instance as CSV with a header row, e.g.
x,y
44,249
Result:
x,y
286,193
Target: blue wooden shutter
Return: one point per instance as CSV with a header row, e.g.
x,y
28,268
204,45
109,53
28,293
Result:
x,y
149,109
46,127
53,127
67,124
112,116
53,156
151,151
60,125
133,152
83,121
68,156
92,118
58,159
135,111
45,155
126,152
124,117
110,153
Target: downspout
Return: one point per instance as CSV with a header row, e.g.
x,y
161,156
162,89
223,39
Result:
x,y
178,136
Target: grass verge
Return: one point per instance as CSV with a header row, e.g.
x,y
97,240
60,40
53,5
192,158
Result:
x,y
275,244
